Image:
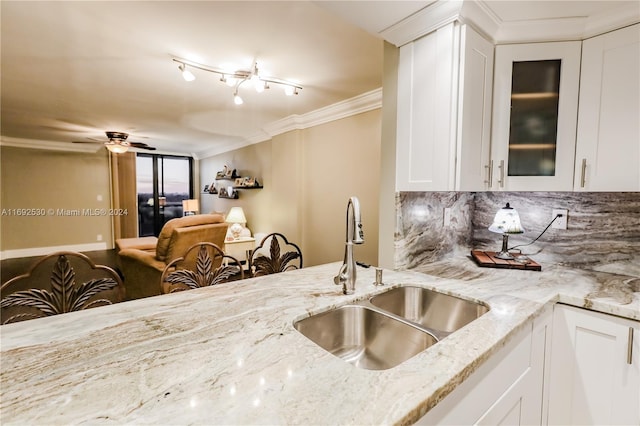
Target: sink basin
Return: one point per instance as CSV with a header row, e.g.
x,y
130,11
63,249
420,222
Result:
x,y
441,313
364,337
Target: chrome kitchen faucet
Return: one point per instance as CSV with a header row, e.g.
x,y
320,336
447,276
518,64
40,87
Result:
x,y
347,274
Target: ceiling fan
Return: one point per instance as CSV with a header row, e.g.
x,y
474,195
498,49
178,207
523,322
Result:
x,y
118,143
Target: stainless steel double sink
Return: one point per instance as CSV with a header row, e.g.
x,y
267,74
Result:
x,y
390,327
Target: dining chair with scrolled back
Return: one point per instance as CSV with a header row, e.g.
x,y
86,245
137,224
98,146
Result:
x,y
202,265
281,256
58,283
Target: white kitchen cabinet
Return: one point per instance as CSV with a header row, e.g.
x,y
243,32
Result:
x,y
443,114
595,369
535,107
608,139
506,389
473,139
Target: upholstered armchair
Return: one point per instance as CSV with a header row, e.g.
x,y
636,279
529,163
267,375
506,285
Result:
x,y
142,260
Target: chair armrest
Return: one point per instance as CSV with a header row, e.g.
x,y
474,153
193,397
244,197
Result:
x,y
142,243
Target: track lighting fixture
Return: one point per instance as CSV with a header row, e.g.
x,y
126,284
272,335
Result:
x,y
236,78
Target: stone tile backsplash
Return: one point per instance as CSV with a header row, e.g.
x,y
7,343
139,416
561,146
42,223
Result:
x,y
603,227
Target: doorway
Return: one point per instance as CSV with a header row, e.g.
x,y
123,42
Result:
x,y
163,181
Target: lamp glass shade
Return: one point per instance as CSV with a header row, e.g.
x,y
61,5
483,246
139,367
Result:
x,y
190,206
236,215
507,221
116,148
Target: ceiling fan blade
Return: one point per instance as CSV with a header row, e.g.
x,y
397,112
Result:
x,y
86,142
141,145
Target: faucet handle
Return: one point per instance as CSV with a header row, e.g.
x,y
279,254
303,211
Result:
x,y
341,277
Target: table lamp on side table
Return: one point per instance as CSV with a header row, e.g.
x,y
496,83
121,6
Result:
x,y
238,220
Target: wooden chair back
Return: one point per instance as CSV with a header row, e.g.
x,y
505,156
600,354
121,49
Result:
x,y
203,264
273,255
58,283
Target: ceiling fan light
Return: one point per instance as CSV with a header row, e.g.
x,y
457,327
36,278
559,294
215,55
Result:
x,y
186,74
116,148
237,99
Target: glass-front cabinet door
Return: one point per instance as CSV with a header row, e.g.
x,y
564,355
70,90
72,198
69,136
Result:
x,y
535,115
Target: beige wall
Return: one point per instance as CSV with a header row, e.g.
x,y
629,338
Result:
x,y
309,176
253,161
39,179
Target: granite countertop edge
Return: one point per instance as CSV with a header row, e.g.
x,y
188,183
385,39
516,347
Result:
x,y
138,341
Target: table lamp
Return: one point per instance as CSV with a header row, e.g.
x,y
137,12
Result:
x,y
190,207
506,222
237,219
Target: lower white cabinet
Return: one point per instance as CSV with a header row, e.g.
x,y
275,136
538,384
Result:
x,y
507,389
595,369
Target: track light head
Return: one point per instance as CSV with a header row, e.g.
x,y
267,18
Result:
x,y
186,74
237,99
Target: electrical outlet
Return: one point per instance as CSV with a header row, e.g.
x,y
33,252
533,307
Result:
x,y
447,217
561,222
99,237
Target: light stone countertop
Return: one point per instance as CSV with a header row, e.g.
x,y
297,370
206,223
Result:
x,y
229,354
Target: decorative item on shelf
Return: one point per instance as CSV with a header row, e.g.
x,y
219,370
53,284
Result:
x,y
247,182
228,192
190,207
212,188
238,220
206,188
506,221
227,173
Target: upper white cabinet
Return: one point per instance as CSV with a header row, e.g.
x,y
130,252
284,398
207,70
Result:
x,y
608,140
595,369
534,116
444,96
473,139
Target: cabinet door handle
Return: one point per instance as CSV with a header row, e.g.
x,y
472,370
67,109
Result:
x,y
501,180
489,169
630,346
583,173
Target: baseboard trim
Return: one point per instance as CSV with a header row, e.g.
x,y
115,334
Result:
x,y
41,251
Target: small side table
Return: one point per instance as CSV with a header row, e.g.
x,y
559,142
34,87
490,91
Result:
x,y
238,248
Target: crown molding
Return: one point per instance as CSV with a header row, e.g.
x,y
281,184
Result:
x,y
48,145
362,103
567,29
480,15
424,21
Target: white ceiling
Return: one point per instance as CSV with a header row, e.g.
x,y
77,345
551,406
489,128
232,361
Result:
x,y
74,69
